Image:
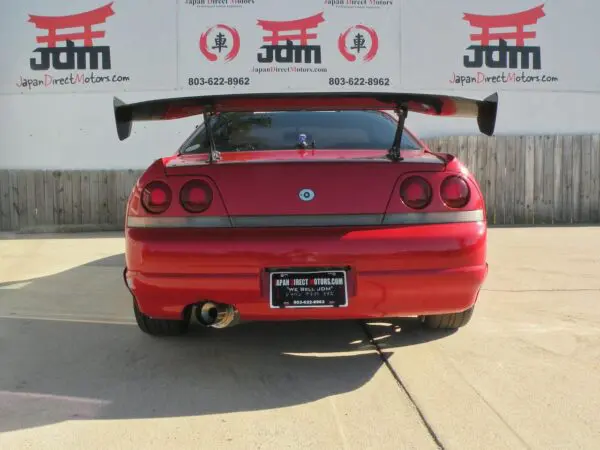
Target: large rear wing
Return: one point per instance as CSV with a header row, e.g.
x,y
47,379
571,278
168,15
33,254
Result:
x,y
484,111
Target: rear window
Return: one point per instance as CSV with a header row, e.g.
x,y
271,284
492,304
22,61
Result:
x,y
335,130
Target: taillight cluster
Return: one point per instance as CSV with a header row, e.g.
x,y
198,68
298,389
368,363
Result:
x,y
417,193
195,196
455,192
156,197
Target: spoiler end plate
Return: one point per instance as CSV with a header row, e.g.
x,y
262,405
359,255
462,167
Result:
x,y
487,114
123,118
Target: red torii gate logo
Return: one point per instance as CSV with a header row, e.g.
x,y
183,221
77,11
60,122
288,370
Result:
x,y
76,56
508,55
290,52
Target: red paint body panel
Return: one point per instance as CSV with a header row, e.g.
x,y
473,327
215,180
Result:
x,y
394,271
272,188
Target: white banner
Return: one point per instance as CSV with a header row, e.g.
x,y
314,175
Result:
x,y
227,46
88,45
509,45
274,46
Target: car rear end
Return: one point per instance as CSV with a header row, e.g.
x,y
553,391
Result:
x,y
333,211
379,239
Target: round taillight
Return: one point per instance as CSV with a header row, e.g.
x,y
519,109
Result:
x,y
196,196
455,192
415,192
156,197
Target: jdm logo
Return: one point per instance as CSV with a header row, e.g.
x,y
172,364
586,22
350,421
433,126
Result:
x,y
75,56
508,27
351,49
294,30
225,43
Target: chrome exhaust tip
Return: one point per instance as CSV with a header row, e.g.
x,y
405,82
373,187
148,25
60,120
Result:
x,y
216,315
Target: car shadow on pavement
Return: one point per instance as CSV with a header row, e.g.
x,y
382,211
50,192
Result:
x,y
53,370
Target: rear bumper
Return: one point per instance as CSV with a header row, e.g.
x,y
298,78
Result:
x,y
392,294
394,271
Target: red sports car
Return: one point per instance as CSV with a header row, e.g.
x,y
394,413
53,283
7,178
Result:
x,y
304,206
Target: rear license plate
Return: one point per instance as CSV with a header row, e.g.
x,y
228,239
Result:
x,y
302,289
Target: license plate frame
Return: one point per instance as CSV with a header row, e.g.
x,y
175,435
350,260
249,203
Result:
x,y
318,294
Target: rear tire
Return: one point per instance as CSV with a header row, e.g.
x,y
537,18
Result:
x,y
160,327
448,321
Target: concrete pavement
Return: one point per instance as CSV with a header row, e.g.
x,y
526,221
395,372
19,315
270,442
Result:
x,y
75,372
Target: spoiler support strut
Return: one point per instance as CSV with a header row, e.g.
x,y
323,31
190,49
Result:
x,y
213,153
394,151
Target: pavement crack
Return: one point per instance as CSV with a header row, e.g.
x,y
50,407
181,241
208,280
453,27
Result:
x,y
402,386
338,423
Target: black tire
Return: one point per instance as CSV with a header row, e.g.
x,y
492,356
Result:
x,y
448,321
160,327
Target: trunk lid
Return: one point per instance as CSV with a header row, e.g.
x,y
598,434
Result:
x,y
342,182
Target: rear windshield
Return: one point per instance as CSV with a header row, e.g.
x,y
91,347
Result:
x,y
335,130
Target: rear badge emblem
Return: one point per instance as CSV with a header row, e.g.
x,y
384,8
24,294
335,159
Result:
x,y
306,195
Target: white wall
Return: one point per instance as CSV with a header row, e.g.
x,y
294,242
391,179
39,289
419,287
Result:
x,y
78,131
41,130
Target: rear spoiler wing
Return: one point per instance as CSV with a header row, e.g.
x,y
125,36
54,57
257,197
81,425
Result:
x,y
485,111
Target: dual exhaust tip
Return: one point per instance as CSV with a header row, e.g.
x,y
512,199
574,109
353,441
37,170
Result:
x,y
216,315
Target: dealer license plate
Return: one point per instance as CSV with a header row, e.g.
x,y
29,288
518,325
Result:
x,y
302,289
